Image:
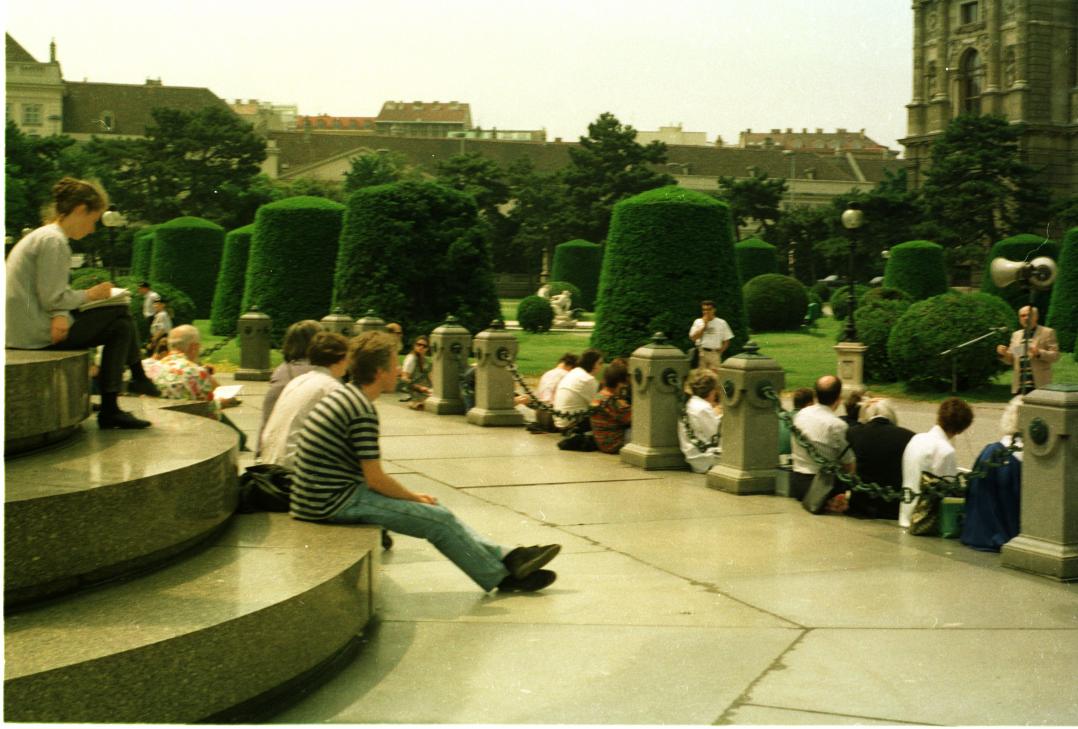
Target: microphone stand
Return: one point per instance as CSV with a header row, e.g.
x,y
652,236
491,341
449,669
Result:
x,y
954,350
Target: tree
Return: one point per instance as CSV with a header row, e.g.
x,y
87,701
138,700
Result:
x,y
376,168
536,217
756,197
479,176
32,165
978,190
606,167
799,230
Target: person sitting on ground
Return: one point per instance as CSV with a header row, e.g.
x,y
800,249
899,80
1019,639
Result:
x,y
878,443
162,322
338,479
612,420
704,414
852,406
294,352
415,373
544,394
328,357
826,432
576,391
994,500
802,397
932,452
44,312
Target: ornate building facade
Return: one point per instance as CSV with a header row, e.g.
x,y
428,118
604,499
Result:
x,y
1016,58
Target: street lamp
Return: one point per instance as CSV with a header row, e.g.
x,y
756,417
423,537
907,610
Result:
x,y
852,219
113,219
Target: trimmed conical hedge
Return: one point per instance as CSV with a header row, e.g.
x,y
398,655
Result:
x,y
1063,315
579,262
918,268
414,252
667,250
186,254
142,252
755,257
228,296
1017,248
290,263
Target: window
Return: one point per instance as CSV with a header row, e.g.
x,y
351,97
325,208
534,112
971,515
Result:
x,y
108,121
969,13
32,113
971,80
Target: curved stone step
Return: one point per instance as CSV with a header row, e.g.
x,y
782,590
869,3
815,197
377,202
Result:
x,y
269,600
46,396
105,503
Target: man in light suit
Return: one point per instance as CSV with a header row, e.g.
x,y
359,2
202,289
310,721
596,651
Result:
x,y
1043,350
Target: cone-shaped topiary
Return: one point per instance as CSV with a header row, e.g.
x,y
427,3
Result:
x,y
941,322
534,314
875,318
289,273
1063,316
579,262
774,302
414,251
228,296
142,253
755,257
668,249
1018,248
918,268
186,254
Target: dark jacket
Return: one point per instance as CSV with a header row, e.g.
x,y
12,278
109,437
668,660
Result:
x,y
878,445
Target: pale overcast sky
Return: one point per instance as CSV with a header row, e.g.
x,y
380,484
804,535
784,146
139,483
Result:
x,y
717,66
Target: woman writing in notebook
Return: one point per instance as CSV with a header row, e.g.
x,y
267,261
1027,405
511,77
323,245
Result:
x,y
44,312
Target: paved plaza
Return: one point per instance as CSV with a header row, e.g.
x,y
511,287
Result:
x,y
678,604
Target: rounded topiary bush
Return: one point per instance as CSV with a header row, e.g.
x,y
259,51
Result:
x,y
1018,248
228,296
918,268
186,254
534,314
840,299
289,273
822,291
414,252
142,252
578,262
941,322
668,249
1063,314
875,318
576,295
774,302
755,257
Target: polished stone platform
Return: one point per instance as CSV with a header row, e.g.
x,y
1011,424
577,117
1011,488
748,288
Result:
x,y
268,601
46,396
104,503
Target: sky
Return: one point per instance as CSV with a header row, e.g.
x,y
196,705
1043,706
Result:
x,y
716,66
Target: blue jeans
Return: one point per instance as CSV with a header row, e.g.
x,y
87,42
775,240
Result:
x,y
479,559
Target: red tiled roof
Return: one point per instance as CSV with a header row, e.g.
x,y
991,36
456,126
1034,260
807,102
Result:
x,y
433,112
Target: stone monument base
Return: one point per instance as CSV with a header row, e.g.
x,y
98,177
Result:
x,y
443,406
669,458
486,417
851,365
256,375
1059,561
737,481
563,324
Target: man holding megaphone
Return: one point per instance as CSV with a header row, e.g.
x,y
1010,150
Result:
x,y
1032,351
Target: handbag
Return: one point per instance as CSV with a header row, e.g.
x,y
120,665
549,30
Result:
x,y
925,520
264,487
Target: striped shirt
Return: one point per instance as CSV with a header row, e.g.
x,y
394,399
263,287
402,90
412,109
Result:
x,y
341,430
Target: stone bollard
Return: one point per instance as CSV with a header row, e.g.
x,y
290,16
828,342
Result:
x,y
369,322
851,365
750,426
495,350
450,345
338,322
256,341
1048,541
658,372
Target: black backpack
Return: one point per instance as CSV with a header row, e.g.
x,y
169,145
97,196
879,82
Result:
x,y
265,487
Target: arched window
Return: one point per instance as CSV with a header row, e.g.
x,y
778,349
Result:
x,y
972,81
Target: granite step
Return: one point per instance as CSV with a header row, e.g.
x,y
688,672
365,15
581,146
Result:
x,y
106,503
46,396
264,607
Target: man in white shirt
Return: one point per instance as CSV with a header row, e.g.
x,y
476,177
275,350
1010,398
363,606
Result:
x,y
544,393
578,388
712,336
827,433
149,298
932,452
328,355
703,413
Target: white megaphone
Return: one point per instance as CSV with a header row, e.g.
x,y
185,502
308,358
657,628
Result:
x,y
1039,273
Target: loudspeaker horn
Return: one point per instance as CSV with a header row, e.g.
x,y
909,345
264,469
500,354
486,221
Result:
x,y
1040,273
1005,272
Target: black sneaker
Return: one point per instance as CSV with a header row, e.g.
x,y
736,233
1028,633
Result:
x,y
120,419
532,583
387,541
143,387
523,561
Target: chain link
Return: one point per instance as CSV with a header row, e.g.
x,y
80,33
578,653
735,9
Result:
x,y
210,351
538,404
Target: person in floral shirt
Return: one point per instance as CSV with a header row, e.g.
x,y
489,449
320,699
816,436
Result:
x,y
611,421
179,375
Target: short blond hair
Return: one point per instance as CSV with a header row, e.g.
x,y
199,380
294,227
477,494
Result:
x,y
368,353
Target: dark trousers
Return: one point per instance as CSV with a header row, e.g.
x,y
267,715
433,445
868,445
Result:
x,y
799,484
113,327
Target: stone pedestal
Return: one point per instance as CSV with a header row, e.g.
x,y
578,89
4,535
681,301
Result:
x,y
851,364
369,322
338,322
255,342
563,322
750,426
449,347
1048,542
657,372
495,349
46,396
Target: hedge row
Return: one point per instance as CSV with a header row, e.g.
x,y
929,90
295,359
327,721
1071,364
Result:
x,y
142,252
186,254
579,262
755,258
1063,313
228,295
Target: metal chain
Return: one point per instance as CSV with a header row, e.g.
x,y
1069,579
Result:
x,y
540,405
701,445
209,351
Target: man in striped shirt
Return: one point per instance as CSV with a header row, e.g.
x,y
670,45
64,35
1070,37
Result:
x,y
338,479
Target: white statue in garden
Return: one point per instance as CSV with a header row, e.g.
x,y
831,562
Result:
x,y
562,304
